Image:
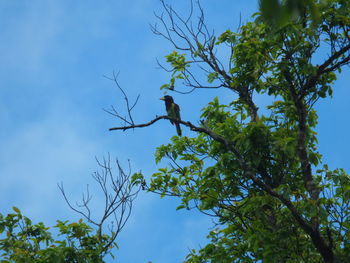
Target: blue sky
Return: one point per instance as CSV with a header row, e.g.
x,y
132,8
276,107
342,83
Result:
x,y
52,92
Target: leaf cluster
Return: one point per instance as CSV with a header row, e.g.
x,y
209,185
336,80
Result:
x,y
257,171
23,241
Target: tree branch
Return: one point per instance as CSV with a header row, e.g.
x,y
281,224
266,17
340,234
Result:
x,y
315,235
327,67
118,193
129,107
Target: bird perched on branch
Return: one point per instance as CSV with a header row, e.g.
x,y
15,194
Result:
x,y
173,111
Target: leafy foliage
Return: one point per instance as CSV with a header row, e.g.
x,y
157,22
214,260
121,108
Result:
x,y
260,173
23,241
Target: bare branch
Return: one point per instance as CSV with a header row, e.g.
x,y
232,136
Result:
x,y
118,194
129,107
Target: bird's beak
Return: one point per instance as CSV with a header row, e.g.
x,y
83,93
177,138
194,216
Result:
x,y
162,98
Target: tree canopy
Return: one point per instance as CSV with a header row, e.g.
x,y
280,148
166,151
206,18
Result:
x,y
257,170
85,241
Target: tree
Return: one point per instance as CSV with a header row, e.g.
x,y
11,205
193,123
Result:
x,y
278,13
28,242
258,171
76,242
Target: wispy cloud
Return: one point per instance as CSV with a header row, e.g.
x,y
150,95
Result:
x,y
28,35
45,152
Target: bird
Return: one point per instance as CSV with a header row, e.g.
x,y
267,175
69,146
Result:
x,y
173,111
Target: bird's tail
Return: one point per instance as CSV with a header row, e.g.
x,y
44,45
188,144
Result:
x,y
178,128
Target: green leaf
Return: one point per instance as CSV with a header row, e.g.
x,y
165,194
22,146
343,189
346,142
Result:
x,y
16,210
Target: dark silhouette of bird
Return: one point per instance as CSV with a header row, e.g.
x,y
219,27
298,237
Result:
x,y
173,111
